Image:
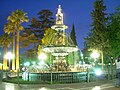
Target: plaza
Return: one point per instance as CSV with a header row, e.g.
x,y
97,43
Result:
x,y
44,52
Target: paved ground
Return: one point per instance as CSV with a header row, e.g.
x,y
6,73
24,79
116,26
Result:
x,y
104,85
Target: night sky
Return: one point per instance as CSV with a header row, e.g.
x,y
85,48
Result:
x,y
75,11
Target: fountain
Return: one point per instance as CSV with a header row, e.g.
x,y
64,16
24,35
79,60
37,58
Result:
x,y
62,45
59,46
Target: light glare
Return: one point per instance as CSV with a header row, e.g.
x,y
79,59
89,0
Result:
x,y
42,56
98,72
95,55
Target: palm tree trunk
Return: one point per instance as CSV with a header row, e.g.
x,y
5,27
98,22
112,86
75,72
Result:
x,y
4,59
17,51
13,51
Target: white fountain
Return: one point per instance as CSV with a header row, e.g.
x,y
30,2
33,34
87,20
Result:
x,y
59,46
62,44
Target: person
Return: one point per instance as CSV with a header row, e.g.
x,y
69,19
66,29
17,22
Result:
x,y
118,71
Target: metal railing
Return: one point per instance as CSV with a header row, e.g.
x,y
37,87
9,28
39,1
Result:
x,y
86,75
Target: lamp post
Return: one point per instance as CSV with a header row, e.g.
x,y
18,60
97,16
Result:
x,y
9,56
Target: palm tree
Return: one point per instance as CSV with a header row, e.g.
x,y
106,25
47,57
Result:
x,y
9,28
5,42
17,17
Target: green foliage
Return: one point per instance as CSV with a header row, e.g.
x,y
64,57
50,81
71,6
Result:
x,y
31,54
48,35
46,18
73,36
5,40
114,33
70,59
37,30
28,39
98,37
35,23
15,20
38,26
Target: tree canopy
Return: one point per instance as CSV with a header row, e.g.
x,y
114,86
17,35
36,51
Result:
x,y
97,38
73,35
114,33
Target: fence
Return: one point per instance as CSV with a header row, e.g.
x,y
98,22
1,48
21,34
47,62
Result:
x,y
87,75
71,77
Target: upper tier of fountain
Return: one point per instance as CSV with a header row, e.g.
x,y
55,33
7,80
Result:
x,y
60,44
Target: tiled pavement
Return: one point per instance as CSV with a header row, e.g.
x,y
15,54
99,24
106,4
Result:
x,y
101,85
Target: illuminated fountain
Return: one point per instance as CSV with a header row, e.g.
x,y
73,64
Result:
x,y
61,45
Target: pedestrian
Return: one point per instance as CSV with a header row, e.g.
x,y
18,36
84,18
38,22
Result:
x,y
118,71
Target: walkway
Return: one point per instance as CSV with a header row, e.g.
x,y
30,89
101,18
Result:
x,y
104,85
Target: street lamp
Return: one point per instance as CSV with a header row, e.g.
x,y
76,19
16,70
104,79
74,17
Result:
x,y
9,56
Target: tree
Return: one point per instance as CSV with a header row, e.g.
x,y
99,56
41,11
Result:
x,y
48,37
16,18
46,19
38,27
77,53
35,28
73,36
5,42
98,37
114,33
10,28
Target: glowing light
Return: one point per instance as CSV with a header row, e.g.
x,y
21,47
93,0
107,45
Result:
x,y
33,63
41,62
27,64
1,64
42,56
95,54
98,72
9,56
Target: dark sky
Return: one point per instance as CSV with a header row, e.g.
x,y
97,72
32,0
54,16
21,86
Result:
x,y
75,11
